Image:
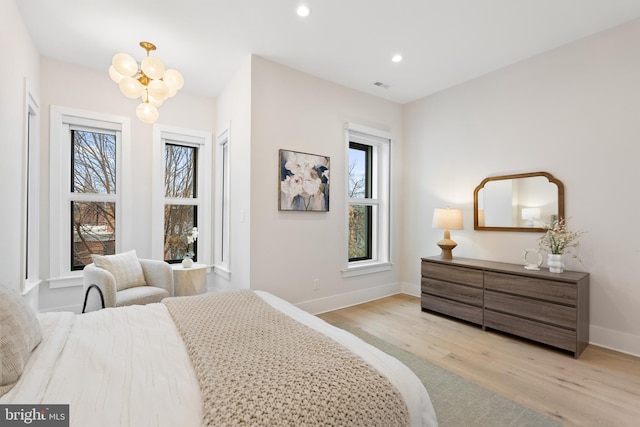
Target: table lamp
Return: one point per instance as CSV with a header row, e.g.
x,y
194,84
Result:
x,y
530,215
447,219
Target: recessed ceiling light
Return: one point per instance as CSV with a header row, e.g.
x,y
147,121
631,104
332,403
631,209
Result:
x,y
396,58
303,10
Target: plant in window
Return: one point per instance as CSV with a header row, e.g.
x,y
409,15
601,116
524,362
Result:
x,y
190,238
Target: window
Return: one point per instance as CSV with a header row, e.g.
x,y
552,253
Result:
x,y
88,156
181,201
368,236
93,195
361,211
222,230
181,197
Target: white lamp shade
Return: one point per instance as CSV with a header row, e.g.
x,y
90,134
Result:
x,y
530,213
115,76
147,113
130,87
158,90
447,219
124,64
152,67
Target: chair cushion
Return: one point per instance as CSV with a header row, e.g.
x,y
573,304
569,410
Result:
x,y
125,267
20,334
140,295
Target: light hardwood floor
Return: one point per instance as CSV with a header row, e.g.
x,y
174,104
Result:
x,y
601,388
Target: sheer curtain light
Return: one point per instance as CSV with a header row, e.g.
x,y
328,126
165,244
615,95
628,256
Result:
x,y
149,81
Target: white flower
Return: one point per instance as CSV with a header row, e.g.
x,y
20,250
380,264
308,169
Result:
x,y
193,236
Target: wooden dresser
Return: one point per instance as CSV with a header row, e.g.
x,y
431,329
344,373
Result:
x,y
545,307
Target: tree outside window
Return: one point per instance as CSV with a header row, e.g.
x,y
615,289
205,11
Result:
x,y
93,188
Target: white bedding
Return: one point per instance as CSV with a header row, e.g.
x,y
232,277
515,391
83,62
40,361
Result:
x,y
128,367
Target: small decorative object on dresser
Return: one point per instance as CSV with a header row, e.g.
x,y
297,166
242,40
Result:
x,y
532,259
557,241
537,305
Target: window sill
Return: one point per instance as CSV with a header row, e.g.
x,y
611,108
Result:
x,y
65,282
369,267
222,272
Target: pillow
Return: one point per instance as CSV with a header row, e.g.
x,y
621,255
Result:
x,y
19,335
125,267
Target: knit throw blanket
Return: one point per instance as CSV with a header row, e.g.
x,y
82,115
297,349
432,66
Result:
x,y
257,366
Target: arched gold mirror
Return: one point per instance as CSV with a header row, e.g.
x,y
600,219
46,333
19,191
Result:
x,y
521,202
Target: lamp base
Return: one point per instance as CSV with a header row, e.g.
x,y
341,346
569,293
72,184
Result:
x,y
446,245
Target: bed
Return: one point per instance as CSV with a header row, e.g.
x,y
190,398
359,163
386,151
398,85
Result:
x,y
175,363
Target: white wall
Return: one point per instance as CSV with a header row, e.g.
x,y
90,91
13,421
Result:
x,y
234,113
68,85
296,111
572,112
19,68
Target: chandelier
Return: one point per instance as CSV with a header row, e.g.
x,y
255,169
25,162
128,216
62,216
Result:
x,y
148,81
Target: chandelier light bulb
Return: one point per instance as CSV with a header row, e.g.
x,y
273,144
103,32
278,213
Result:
x,y
130,87
158,89
147,113
151,100
124,64
115,76
152,67
174,80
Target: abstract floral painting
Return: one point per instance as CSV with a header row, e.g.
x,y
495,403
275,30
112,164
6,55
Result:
x,y
304,182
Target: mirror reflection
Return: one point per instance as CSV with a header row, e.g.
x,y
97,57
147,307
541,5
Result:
x,y
523,202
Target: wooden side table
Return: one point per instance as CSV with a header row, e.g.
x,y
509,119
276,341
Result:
x,y
189,281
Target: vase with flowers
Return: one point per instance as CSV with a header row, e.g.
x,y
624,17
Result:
x,y
190,239
558,241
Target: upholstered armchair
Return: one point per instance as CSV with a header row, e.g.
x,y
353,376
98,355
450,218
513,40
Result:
x,y
124,279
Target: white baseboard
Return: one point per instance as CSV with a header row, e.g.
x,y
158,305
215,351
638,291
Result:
x,y
335,302
412,289
615,340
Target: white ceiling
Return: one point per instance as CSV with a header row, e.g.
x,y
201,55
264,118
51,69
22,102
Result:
x,y
350,42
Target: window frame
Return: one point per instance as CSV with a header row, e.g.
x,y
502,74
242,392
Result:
x,y
367,200
380,143
222,254
193,201
63,119
30,254
192,138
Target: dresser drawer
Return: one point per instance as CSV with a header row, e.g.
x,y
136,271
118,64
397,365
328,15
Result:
x,y
460,293
550,313
450,273
452,308
554,336
548,290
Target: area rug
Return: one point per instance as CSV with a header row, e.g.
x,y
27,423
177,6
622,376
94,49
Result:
x,y
457,401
